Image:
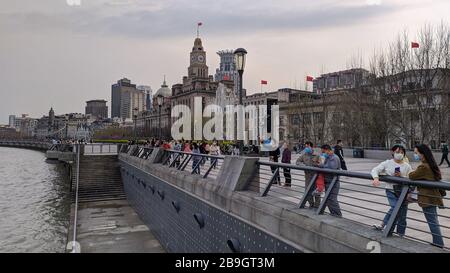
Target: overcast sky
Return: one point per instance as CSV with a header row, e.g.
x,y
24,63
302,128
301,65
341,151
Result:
x,y
55,54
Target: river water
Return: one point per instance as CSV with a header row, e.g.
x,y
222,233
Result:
x,y
34,202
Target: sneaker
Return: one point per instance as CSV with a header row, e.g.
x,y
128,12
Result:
x,y
378,227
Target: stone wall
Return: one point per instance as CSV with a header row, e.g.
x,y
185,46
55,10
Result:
x,y
167,200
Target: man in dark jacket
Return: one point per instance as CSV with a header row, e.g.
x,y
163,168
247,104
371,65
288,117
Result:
x,y
286,159
444,149
273,157
340,153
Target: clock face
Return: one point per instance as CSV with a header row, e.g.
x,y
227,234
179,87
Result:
x,y
200,58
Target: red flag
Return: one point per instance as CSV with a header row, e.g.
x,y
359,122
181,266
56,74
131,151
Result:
x,y
415,45
263,82
199,24
309,78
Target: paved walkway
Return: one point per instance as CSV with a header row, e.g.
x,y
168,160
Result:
x,y
363,203
113,227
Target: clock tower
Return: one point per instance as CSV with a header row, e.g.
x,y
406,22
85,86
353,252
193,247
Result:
x,y
198,67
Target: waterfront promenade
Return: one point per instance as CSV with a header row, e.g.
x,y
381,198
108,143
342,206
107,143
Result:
x,y
365,204
112,227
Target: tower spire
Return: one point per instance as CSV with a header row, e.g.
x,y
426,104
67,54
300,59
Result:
x,y
164,83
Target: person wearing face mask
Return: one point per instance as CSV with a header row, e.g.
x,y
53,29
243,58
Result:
x,y
429,199
308,158
331,161
393,167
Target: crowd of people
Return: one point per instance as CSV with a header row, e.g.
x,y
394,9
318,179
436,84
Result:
x,y
203,147
429,199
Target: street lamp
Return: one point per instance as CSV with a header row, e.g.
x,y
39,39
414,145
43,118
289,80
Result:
x,y
135,115
160,101
239,55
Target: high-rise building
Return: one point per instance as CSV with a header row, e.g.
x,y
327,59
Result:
x,y
227,69
148,96
124,98
97,108
12,121
23,124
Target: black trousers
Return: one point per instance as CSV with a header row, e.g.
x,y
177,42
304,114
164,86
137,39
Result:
x,y
287,176
277,178
444,157
343,165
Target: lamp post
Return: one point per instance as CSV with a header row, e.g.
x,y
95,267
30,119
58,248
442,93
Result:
x,y
160,100
239,55
135,115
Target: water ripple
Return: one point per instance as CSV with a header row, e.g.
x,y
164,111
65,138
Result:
x,y
34,202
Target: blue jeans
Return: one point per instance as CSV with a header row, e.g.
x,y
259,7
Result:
x,y
433,222
401,219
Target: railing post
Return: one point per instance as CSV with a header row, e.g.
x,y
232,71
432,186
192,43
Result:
x,y
210,168
168,158
269,185
308,191
173,162
394,216
322,205
184,161
197,166
185,165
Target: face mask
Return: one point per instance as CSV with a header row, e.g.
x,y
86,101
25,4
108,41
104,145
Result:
x,y
325,155
416,157
308,150
398,156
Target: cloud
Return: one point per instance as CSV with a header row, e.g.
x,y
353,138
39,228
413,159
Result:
x,y
159,19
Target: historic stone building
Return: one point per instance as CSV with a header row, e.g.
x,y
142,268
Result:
x,y
198,82
407,108
227,69
97,109
157,122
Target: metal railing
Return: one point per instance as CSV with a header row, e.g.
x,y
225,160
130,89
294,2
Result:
x,y
201,164
100,149
356,198
75,223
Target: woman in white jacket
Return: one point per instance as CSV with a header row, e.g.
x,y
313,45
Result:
x,y
397,166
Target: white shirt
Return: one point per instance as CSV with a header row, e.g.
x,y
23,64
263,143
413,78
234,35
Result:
x,y
388,168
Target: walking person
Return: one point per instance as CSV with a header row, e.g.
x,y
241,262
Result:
x,y
235,150
187,148
429,199
196,159
286,159
309,159
178,148
444,150
214,150
273,157
340,153
393,167
331,161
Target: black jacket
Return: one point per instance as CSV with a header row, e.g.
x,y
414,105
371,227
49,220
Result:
x,y
275,154
339,152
